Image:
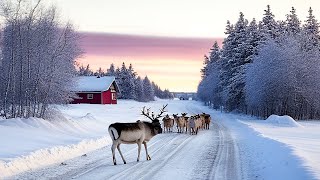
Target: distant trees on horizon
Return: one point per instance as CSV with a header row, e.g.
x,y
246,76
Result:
x,y
131,85
266,67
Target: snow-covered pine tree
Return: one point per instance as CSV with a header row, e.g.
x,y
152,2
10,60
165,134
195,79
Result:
x,y
111,71
282,28
131,82
119,81
122,76
312,25
293,23
225,66
208,87
157,90
253,40
204,69
126,82
268,25
85,71
99,72
148,89
310,33
139,90
235,99
167,94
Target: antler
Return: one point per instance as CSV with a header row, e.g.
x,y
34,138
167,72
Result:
x,y
162,110
152,117
146,113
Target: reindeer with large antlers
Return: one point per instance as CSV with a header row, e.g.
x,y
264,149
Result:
x,y
139,132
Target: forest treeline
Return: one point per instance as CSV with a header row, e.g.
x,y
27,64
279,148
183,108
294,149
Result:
x,y
265,67
131,85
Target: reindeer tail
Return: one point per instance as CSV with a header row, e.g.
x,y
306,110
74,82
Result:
x,y
113,133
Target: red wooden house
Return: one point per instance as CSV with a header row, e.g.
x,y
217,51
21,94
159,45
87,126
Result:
x,y
95,90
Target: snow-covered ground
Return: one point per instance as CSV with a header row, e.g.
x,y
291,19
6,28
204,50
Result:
x,y
236,146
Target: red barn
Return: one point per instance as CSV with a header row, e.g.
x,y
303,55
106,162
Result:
x,y
95,90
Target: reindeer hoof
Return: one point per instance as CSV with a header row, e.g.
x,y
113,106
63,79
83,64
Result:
x,y
137,160
148,158
125,162
115,163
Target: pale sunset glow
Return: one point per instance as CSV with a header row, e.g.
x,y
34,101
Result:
x,y
163,39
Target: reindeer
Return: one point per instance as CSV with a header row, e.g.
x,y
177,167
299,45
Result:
x,y
167,123
139,132
185,119
207,120
192,125
181,122
176,119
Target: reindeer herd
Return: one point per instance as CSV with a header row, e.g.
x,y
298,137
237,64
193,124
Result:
x,y
141,132
186,124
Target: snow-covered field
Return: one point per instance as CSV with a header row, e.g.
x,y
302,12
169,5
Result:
x,y
277,148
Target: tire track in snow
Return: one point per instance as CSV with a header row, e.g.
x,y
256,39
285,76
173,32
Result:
x,y
225,159
225,164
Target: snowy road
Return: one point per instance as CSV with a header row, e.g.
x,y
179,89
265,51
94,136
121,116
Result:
x,y
212,154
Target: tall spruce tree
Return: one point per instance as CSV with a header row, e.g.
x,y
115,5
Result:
x,y
268,25
235,84
253,40
111,71
227,53
311,31
293,23
148,89
205,66
211,81
139,91
126,83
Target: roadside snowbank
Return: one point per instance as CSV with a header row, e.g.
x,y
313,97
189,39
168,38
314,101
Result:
x,y
45,157
283,145
265,151
282,121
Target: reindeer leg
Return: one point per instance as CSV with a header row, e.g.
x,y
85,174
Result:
x,y
145,147
113,148
118,147
139,149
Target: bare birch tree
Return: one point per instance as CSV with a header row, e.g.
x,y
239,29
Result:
x,y
38,59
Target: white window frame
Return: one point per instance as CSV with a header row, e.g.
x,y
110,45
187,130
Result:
x,y
113,96
89,96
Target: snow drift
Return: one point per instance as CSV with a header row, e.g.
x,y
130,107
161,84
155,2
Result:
x,y
48,156
282,121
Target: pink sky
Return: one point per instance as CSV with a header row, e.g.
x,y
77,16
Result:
x,y
172,63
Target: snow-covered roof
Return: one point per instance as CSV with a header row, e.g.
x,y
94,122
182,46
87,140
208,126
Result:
x,y
93,83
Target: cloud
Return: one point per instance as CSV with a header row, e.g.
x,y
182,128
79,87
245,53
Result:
x,y
116,45
173,63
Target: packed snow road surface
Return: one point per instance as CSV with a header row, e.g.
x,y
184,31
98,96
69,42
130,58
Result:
x,y
212,154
